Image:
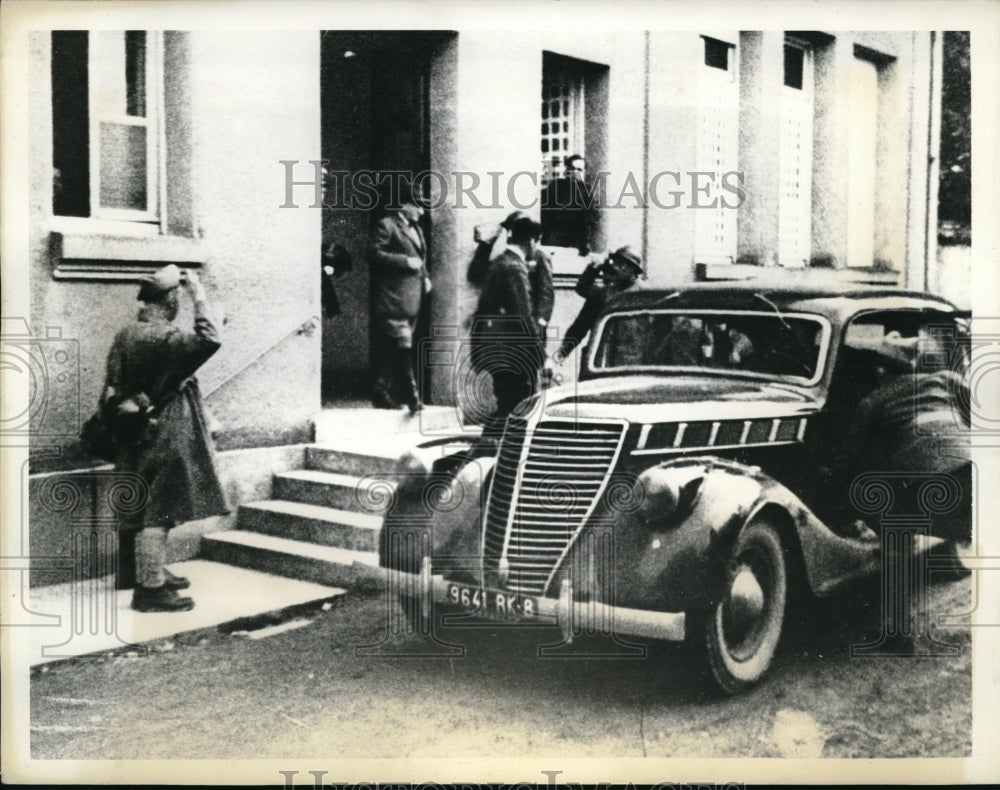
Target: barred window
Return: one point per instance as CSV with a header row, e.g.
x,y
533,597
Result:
x,y
562,115
796,155
717,145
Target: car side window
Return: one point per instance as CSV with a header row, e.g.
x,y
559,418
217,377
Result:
x,y
935,341
626,341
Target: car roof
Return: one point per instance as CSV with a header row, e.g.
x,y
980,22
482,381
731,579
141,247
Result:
x,y
840,300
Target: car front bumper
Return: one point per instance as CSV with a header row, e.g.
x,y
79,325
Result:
x,y
572,617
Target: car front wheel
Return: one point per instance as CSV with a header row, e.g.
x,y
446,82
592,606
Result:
x,y
739,636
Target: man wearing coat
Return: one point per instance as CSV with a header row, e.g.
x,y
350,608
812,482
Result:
x,y
399,268
152,401
540,278
914,423
506,313
569,209
539,270
620,272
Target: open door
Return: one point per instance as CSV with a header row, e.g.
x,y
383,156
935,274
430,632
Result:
x,y
375,99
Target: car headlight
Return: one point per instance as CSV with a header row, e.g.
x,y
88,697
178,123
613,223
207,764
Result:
x,y
670,494
663,496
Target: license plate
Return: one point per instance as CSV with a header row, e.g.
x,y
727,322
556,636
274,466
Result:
x,y
493,604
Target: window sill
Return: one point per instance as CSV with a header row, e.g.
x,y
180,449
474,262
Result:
x,y
116,257
714,272
567,262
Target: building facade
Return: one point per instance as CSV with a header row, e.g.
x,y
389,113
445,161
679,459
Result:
x,y
717,152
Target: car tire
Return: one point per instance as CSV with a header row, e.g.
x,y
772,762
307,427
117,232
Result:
x,y
739,636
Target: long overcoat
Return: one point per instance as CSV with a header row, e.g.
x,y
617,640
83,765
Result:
x,y
152,360
911,428
398,288
506,335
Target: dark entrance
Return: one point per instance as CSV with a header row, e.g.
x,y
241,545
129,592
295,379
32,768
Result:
x,y
375,108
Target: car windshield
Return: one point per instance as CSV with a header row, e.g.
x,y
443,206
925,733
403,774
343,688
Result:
x,y
758,343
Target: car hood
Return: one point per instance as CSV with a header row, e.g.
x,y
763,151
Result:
x,y
675,398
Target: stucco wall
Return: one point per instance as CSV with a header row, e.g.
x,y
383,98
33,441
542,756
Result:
x,y
496,95
486,66
70,511
255,101
673,124
952,276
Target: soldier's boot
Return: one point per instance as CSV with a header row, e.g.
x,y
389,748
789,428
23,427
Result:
x,y
175,582
160,599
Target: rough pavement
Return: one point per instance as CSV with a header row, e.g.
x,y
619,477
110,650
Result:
x,y
302,691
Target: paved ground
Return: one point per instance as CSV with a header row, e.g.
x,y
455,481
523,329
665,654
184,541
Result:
x,y
302,690
92,616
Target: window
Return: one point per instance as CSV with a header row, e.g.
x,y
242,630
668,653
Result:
x,y
729,343
572,123
795,61
796,154
107,125
717,53
562,116
718,146
121,153
862,162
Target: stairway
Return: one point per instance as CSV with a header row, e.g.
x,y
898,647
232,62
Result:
x,y
322,522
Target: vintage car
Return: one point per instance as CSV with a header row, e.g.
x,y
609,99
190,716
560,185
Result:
x,y
679,489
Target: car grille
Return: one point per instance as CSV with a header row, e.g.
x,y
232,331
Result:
x,y
552,488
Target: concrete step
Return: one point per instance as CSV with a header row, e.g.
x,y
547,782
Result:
x,y
324,526
366,494
361,458
363,422
293,558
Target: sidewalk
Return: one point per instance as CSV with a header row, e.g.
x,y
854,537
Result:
x,y
351,420
93,617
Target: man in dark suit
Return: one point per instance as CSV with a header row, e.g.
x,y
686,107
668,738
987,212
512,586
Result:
x,y
507,311
915,422
399,270
539,268
540,278
569,211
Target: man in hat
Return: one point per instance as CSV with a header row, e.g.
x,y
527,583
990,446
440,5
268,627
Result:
x,y
151,398
401,280
539,268
620,272
540,278
507,313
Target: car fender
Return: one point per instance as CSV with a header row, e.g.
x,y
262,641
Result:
x,y
437,507
671,552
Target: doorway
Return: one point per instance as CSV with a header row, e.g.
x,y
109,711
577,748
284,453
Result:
x,y
375,105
